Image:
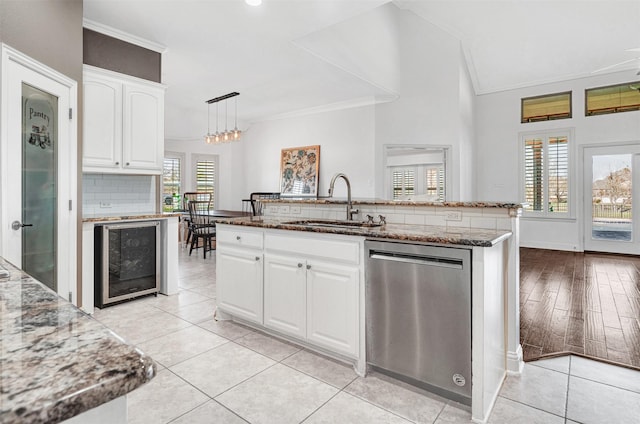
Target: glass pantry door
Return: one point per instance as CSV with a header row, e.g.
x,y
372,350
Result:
x,y
39,180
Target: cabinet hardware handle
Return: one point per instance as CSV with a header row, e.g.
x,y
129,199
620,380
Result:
x,y
238,238
299,265
117,163
308,266
257,258
127,163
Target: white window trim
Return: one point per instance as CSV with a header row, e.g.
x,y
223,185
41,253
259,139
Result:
x,y
572,196
195,157
448,166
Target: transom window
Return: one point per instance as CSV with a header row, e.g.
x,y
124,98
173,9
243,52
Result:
x,y
546,108
546,174
612,99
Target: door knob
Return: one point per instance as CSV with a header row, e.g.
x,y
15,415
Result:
x,y
16,225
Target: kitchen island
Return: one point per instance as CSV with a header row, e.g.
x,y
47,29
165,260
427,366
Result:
x,y
57,363
289,274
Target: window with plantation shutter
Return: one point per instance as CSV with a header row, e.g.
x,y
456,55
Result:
x,y
403,183
171,183
434,182
546,179
205,178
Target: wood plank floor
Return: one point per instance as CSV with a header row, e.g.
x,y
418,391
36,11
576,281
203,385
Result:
x,y
585,303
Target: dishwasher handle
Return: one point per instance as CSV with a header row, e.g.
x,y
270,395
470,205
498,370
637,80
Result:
x,y
438,261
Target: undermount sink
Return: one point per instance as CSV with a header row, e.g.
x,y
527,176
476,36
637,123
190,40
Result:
x,y
333,223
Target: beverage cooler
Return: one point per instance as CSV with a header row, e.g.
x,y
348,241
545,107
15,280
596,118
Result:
x,y
127,261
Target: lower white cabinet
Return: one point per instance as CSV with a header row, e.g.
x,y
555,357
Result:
x,y
332,306
239,282
314,300
285,294
300,285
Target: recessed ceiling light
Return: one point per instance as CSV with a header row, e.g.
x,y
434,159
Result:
x,y
253,2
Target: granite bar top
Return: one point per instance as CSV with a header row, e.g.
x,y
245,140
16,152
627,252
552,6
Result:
x,y
402,232
129,217
382,202
56,361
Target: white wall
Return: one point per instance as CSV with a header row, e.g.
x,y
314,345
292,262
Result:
x,y
231,167
435,107
498,125
428,109
467,133
345,137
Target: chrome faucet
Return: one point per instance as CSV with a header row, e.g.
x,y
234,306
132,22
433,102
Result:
x,y
350,210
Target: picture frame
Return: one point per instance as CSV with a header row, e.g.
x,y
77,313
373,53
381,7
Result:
x,y
299,168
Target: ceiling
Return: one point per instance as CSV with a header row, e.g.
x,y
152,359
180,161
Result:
x,y
214,47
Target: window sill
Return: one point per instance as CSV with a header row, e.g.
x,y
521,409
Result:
x,y
548,218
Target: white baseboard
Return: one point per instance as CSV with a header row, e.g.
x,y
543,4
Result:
x,y
551,246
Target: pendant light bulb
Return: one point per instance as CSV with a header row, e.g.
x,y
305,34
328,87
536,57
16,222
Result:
x,y
217,110
207,138
226,118
236,132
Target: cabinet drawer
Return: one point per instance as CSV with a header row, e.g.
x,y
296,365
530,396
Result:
x,y
339,250
239,237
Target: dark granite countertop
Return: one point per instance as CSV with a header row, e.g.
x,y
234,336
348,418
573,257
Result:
x,y
382,202
56,361
129,217
402,232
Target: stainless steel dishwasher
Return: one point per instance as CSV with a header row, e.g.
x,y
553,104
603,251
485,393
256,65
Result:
x,y
418,310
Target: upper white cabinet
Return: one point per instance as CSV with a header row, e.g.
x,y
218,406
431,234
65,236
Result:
x,y
123,123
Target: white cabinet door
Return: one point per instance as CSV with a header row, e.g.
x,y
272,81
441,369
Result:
x,y
285,294
239,283
102,123
143,128
333,307
123,123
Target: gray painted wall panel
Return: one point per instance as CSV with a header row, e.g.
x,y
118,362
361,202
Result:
x,y
116,55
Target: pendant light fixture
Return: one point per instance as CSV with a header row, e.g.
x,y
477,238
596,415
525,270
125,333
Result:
x,y
225,136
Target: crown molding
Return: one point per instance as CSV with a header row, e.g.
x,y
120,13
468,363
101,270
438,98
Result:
x,y
124,36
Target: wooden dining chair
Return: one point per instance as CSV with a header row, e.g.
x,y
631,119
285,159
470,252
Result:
x,y
191,196
201,226
254,203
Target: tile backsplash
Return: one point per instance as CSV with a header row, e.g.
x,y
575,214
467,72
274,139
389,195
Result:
x,y
109,194
463,217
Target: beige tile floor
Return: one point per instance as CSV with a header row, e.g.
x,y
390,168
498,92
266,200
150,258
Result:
x,y
221,372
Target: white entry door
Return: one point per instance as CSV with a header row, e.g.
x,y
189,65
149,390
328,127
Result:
x,y
38,165
612,196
